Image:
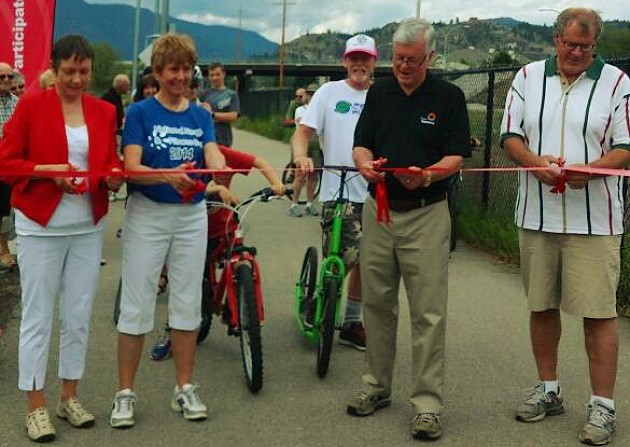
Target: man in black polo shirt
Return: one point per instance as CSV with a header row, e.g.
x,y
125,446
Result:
x,y
418,122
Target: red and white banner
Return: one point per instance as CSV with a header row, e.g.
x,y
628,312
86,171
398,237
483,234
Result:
x,y
26,30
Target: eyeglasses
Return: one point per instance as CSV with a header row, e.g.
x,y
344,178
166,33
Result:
x,y
411,61
583,47
6,76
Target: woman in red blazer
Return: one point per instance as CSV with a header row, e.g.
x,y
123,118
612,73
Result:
x,y
59,223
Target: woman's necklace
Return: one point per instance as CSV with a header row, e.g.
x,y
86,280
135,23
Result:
x,y
174,108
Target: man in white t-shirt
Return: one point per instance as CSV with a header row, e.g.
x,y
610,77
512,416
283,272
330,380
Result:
x,y
314,152
333,114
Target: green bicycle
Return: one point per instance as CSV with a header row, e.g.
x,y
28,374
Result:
x,y
318,298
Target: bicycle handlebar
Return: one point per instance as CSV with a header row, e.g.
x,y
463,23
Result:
x,y
341,168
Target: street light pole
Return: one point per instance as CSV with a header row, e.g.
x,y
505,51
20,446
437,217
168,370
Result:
x,y
446,43
418,9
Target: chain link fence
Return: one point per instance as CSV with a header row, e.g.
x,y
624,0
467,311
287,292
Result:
x,y
485,91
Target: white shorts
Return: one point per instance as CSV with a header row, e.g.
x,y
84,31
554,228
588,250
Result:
x,y
156,234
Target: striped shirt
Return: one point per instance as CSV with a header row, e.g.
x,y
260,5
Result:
x,y
7,106
579,122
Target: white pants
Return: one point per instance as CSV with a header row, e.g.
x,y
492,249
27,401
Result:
x,y
155,234
52,265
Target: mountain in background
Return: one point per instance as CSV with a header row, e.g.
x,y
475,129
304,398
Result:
x,y
114,24
471,43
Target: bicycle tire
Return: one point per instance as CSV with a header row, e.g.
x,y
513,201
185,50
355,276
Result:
x,y
327,326
308,282
117,302
287,178
249,322
206,311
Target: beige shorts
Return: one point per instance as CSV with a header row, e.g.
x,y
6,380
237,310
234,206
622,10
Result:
x,y
573,272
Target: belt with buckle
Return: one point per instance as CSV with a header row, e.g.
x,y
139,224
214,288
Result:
x,y
412,204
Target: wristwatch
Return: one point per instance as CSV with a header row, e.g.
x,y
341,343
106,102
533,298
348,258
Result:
x,y
427,180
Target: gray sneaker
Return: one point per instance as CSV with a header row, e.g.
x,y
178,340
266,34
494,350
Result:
x,y
600,425
295,211
367,402
427,426
310,210
537,405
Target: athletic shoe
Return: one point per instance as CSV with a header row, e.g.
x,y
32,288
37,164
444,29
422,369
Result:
x,y
310,210
367,402
122,409
538,405
186,401
427,426
38,425
162,348
353,335
294,211
600,425
72,411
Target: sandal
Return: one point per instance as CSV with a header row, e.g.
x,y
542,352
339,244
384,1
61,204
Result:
x,y
162,284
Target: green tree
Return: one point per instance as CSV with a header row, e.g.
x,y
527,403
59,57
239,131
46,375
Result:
x,y
105,66
502,59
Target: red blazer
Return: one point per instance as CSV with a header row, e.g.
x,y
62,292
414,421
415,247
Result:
x,y
36,134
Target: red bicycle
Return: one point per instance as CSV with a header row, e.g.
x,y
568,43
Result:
x,y
232,283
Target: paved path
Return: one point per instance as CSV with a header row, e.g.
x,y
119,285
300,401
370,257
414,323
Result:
x,y
488,362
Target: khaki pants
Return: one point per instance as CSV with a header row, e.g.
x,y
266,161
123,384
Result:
x,y
416,248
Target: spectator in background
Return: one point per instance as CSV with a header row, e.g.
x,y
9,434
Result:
x,y
17,88
571,109
59,223
147,87
47,79
314,152
120,86
297,101
8,102
222,103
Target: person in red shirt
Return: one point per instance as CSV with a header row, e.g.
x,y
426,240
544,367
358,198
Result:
x,y
219,217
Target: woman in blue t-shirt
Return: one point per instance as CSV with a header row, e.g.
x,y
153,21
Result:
x,y
166,223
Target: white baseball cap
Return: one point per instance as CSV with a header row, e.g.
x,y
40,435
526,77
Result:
x,y
361,44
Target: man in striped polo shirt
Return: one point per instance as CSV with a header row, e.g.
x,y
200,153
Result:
x,y
571,109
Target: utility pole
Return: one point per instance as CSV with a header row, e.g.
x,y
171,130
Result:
x,y
136,36
418,9
238,36
164,17
282,49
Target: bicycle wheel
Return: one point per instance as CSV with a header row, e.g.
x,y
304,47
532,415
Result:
x,y
117,302
287,177
250,337
327,326
206,311
306,286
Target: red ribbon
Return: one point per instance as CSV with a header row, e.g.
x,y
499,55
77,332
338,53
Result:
x,y
382,202
561,181
189,193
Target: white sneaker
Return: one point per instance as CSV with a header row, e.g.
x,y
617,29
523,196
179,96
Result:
x,y
186,401
122,409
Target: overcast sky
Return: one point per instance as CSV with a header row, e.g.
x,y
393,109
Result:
x,y
316,16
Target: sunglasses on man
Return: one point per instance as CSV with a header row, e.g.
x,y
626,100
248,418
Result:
x,y
6,76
